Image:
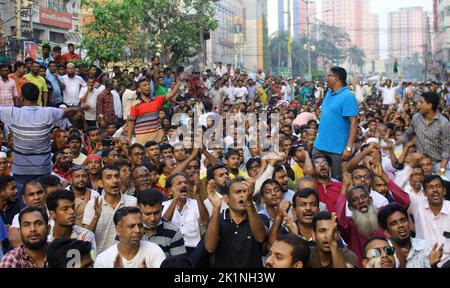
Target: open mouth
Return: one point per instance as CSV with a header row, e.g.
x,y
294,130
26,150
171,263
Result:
x,y
363,209
308,215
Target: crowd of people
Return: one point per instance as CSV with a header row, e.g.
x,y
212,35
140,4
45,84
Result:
x,y
94,171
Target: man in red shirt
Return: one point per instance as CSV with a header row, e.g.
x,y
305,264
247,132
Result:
x,y
328,189
144,119
71,56
196,86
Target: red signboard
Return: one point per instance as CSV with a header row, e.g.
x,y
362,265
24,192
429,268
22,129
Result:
x,y
55,18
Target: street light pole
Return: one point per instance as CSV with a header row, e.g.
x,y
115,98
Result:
x,y
289,38
308,36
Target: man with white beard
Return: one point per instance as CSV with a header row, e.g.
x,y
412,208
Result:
x,y
363,225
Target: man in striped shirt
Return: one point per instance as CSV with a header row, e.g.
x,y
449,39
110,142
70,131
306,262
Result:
x,y
31,126
157,230
144,119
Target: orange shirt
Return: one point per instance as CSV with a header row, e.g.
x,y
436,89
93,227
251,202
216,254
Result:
x,y
19,83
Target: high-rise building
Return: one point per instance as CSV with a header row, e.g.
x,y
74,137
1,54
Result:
x,y
441,41
227,41
254,34
407,32
355,18
300,10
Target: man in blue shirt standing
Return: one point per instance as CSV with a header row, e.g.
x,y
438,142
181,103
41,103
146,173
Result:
x,y
338,122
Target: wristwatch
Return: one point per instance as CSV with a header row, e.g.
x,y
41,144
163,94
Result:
x,y
348,149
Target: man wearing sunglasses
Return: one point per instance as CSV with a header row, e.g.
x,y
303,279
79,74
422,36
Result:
x,y
378,254
409,252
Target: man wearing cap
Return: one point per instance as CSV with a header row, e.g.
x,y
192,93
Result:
x,y
338,122
72,86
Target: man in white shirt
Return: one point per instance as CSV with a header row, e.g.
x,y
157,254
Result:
x,y
187,213
240,93
130,252
88,101
388,92
73,84
98,214
409,252
220,70
432,215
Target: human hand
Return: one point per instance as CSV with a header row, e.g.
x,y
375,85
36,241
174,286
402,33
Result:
x,y
436,254
333,233
98,204
215,200
283,208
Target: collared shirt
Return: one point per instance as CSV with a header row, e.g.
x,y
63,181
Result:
x,y
117,104
19,82
45,62
82,234
73,85
105,107
188,220
268,221
18,258
432,139
418,254
39,81
8,91
329,193
105,231
168,237
237,247
334,129
57,93
431,227
350,232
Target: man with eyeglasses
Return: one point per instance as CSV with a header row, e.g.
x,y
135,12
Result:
x,y
409,252
327,188
338,122
378,254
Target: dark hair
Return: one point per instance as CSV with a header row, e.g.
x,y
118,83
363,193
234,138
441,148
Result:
x,y
150,167
46,46
178,261
58,251
150,144
124,211
278,168
213,168
106,152
341,73
305,193
251,161
90,129
170,179
4,181
431,98
231,182
361,187
135,146
71,45
230,153
74,137
326,157
430,178
165,147
31,209
269,181
31,182
18,64
107,167
359,167
150,197
371,240
322,215
388,210
56,48
30,92
61,194
300,248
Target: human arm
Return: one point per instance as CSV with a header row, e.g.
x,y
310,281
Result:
x,y
341,203
276,226
398,194
181,167
256,225
333,236
203,212
351,139
308,168
174,92
445,147
212,232
92,214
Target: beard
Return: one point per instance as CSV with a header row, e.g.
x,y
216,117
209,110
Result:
x,y
367,223
37,245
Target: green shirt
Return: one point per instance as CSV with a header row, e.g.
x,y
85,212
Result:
x,y
161,91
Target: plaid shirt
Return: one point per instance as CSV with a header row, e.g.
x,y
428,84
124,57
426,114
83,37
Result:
x,y
8,91
18,258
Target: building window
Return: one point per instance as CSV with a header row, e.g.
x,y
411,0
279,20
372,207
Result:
x,y
56,37
58,5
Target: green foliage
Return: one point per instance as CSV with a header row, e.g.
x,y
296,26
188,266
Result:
x,y
171,27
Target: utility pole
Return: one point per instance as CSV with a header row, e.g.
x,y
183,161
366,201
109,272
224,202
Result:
x,y
18,5
31,20
289,38
308,35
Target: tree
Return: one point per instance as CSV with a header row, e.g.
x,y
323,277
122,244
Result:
x,y
267,59
279,49
173,27
356,57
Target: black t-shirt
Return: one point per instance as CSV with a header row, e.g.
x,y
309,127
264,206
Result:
x,y
237,248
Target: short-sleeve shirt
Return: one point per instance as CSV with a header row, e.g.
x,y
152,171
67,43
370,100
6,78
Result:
x,y
153,255
82,234
314,260
188,220
146,116
168,237
8,91
105,231
39,81
31,126
334,129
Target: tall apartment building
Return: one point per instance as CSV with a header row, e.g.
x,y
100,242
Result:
x,y
407,32
441,40
255,11
355,18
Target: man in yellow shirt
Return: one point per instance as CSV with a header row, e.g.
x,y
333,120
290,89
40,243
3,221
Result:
x,y
39,81
302,164
233,161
